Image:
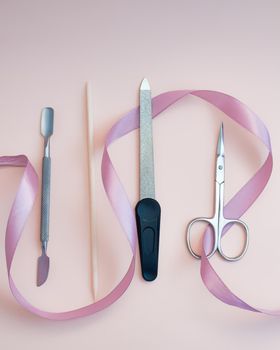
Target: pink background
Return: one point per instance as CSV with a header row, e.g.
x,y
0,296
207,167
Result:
x,y
48,50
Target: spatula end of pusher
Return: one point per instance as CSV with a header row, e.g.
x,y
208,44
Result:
x,y
43,266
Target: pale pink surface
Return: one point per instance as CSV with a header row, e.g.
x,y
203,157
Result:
x,y
47,53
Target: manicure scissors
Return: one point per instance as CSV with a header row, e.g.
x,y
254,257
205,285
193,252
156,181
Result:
x,y
218,222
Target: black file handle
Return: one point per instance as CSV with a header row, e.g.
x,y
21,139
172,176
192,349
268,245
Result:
x,y
148,227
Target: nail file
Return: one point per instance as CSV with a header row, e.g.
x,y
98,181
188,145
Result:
x,y
147,209
46,131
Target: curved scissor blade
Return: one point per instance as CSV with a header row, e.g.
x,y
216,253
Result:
x,y
220,158
220,146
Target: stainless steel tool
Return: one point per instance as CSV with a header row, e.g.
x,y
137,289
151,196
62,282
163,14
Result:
x,y
218,221
147,209
46,131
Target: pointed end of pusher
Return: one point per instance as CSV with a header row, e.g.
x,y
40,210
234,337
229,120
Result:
x,y
221,147
145,85
42,269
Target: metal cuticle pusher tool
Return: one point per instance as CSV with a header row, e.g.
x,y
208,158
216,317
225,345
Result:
x,y
46,131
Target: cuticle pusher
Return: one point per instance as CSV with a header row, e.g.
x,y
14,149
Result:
x,y
46,131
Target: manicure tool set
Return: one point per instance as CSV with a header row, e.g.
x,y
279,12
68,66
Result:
x,y
143,223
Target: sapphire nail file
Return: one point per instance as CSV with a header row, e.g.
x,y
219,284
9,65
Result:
x,y
147,209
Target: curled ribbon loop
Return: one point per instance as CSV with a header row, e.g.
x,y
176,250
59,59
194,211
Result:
x,y
237,206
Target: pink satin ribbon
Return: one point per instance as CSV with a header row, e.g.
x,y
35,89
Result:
x,y
237,206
